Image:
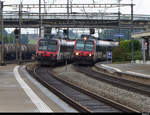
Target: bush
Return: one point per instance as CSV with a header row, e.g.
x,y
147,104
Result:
x,y
124,52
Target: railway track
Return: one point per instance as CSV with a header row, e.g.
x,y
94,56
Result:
x,y
118,82
79,98
16,61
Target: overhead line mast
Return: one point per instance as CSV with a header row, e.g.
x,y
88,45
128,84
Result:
x,y
2,35
68,18
40,21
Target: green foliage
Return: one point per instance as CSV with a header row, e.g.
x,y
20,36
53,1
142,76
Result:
x,y
137,45
10,38
121,39
32,41
124,52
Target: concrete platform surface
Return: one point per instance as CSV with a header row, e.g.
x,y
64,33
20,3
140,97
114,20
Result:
x,y
19,92
142,70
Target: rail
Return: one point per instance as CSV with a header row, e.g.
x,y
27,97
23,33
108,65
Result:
x,y
119,82
51,80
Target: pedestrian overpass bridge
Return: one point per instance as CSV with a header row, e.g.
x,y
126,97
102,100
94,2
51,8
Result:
x,y
70,19
75,20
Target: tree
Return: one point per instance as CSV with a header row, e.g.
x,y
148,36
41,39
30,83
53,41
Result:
x,y
124,53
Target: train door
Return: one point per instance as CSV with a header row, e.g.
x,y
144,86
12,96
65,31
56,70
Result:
x,y
59,53
95,53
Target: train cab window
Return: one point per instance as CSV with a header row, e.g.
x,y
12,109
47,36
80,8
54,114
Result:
x,y
52,46
80,45
42,45
89,45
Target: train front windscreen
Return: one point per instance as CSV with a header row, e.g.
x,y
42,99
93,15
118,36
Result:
x,y
52,45
89,45
42,45
84,45
80,45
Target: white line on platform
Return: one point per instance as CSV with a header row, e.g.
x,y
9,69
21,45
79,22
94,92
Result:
x,y
118,70
140,74
35,99
51,96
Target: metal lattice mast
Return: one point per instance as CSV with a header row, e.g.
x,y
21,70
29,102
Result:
x,y
40,21
132,41
68,18
2,35
20,44
119,21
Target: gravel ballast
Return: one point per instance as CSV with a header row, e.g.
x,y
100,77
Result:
x,y
128,98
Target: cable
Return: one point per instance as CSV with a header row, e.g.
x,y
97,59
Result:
x,y
139,5
21,1
93,1
44,6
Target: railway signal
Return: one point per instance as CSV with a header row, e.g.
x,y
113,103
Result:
x,y
145,45
65,32
92,31
17,33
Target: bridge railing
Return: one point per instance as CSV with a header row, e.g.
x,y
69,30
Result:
x,y
74,16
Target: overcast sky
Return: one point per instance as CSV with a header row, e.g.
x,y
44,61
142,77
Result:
x,y
141,7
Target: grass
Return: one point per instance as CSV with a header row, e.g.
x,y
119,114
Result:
x,y
32,41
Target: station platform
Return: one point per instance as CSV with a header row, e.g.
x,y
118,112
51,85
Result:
x,y
137,71
19,92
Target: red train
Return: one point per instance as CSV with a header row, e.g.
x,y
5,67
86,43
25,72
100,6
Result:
x,y
52,51
89,51
81,51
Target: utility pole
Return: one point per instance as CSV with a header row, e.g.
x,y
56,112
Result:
x,y
2,35
40,21
119,21
45,7
19,40
143,50
71,6
132,39
68,18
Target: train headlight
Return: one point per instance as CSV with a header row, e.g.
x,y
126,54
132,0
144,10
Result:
x,y
77,53
54,55
39,54
85,38
90,55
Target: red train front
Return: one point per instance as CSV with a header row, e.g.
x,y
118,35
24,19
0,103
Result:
x,y
84,51
47,51
89,51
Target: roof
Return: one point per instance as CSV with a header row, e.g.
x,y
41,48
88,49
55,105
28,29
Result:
x,y
145,34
